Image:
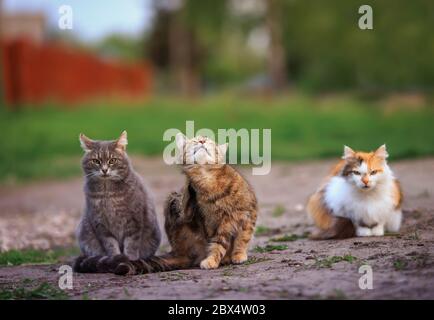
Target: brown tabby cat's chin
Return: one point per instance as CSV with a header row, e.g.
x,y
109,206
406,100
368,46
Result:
x,y
209,222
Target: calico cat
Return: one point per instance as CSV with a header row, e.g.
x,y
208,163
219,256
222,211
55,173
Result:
x,y
119,222
210,221
360,197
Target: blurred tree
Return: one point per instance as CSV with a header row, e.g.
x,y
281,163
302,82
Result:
x,y
276,55
121,46
333,53
178,40
2,89
185,53
318,45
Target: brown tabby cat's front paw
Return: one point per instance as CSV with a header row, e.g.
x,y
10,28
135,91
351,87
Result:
x,y
239,258
209,263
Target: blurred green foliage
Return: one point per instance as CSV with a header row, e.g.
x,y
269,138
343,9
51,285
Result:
x,y
325,48
329,51
43,142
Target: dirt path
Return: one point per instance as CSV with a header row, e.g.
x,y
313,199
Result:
x,y
44,215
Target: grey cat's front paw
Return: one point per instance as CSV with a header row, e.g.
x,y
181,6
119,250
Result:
x,y
133,256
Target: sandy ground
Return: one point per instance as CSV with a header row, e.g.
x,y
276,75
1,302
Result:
x,y
44,215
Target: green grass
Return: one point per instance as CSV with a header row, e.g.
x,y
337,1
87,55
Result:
x,y
262,230
42,142
328,262
26,256
28,290
253,260
289,237
400,264
278,211
269,248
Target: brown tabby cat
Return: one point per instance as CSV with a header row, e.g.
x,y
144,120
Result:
x,y
211,220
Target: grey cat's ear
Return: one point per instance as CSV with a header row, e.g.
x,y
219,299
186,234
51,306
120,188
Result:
x,y
348,153
122,141
180,140
223,148
381,152
86,143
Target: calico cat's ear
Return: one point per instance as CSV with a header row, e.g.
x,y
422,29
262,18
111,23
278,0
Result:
x,y
348,153
381,152
223,148
180,140
86,143
122,141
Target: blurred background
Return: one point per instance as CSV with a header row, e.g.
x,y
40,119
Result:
x,y
303,68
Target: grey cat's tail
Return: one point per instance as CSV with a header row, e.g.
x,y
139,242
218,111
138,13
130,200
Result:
x,y
98,264
121,265
167,262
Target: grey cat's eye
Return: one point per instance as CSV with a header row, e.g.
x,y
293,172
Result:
x,y
113,161
96,161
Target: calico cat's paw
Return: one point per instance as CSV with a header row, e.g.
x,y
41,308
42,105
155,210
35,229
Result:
x,y
239,258
209,263
378,231
363,232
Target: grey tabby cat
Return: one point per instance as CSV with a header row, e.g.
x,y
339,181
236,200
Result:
x,y
119,222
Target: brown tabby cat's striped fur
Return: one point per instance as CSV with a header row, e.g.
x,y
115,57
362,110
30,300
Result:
x,y
208,223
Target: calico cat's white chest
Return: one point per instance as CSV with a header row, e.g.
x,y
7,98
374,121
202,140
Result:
x,y
370,207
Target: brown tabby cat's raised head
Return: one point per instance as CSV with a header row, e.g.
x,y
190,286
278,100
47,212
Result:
x,y
200,150
105,159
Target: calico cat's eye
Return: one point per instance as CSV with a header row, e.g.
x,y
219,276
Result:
x,y
357,173
112,161
374,172
96,161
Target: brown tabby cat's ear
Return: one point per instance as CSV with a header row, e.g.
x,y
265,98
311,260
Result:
x,y
86,143
181,139
121,143
348,153
381,152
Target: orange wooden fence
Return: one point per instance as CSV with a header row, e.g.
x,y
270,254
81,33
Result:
x,y
35,73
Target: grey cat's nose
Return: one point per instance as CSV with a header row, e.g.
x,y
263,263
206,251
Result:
x,y
104,170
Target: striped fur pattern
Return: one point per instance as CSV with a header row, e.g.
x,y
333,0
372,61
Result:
x,y
211,220
119,219
361,197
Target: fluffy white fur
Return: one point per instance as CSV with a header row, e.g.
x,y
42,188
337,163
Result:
x,y
371,204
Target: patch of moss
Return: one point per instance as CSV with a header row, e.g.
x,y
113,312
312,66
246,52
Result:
x,y
328,262
262,230
270,247
289,237
27,290
278,211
